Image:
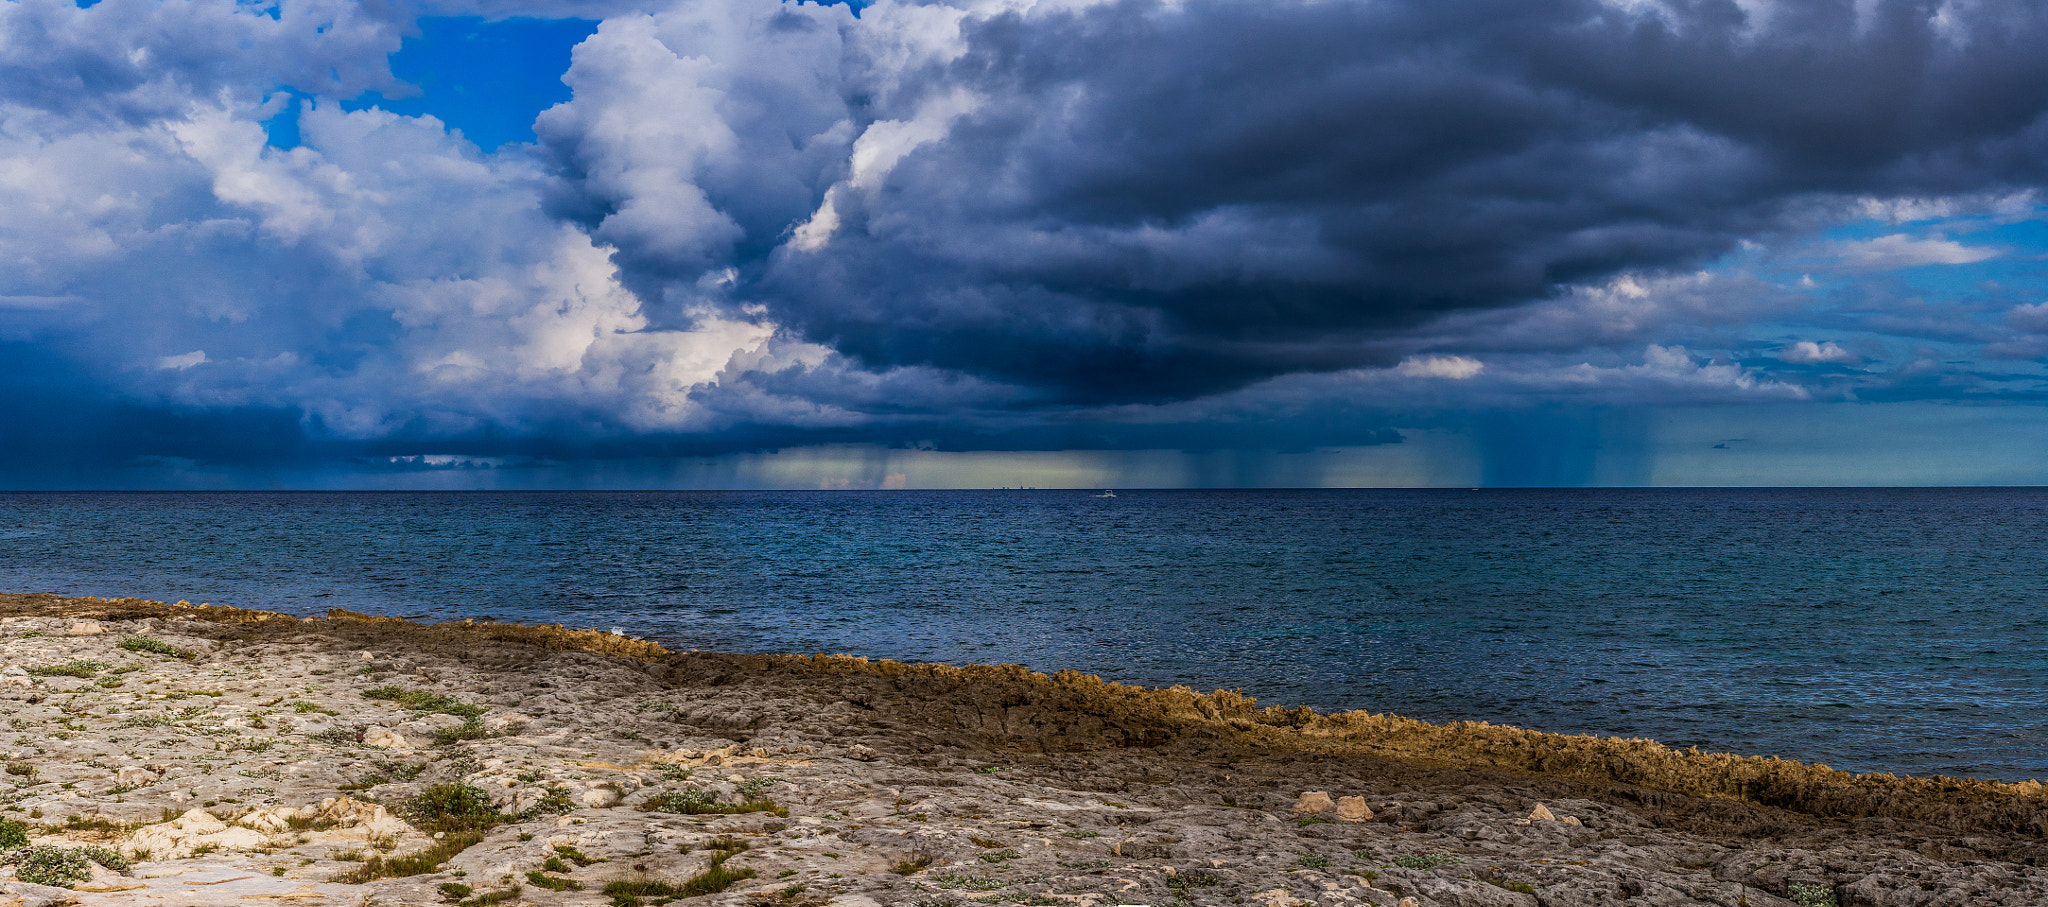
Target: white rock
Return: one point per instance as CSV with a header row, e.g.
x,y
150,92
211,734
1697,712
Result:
x,y
1353,809
1541,814
386,738
86,628
135,776
26,894
178,838
349,812
269,820
198,822
1313,803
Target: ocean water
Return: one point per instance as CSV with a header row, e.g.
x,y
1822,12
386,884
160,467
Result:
x,y
1875,629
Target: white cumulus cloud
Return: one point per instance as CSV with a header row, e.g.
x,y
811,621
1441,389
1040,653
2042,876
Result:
x,y
1456,368
1807,352
1901,251
182,360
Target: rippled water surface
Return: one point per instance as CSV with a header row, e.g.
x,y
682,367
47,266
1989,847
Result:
x,y
1900,630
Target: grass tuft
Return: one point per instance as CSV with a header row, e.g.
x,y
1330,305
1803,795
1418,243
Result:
x,y
77,667
715,878
551,883
157,646
699,803
961,880
424,701
1309,860
461,812
469,729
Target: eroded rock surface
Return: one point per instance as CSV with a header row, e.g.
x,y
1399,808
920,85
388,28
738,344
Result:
x,y
254,772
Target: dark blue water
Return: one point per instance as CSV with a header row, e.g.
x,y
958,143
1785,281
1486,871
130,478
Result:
x,y
1901,630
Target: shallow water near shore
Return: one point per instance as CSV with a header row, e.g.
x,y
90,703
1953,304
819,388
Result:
x,y
1883,629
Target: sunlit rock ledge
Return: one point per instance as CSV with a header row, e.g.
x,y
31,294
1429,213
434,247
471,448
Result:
x,y
170,754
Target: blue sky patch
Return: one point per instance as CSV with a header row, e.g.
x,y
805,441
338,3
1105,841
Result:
x,y
487,79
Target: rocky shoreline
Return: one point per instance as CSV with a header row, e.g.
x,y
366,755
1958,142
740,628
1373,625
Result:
x,y
179,755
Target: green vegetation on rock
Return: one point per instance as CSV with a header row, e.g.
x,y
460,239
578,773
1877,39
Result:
x,y
157,646
77,667
1808,894
45,864
460,813
423,701
699,803
12,834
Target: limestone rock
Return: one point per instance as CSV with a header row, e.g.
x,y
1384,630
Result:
x,y
349,812
593,797
226,884
386,738
135,776
85,628
1353,809
178,838
1541,814
596,725
105,881
97,886
25,894
1472,893
271,821
1313,803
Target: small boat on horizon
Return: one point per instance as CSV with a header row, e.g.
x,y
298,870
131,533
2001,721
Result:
x,y
1106,493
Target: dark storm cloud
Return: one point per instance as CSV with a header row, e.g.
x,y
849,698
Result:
x,y
1004,225
1150,201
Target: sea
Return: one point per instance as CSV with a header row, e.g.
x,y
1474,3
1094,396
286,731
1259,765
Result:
x,y
1901,630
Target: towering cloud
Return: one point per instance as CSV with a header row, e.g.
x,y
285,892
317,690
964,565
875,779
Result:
x,y
758,223
1136,199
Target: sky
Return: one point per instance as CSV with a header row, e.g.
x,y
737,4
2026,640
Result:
x,y
1000,243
